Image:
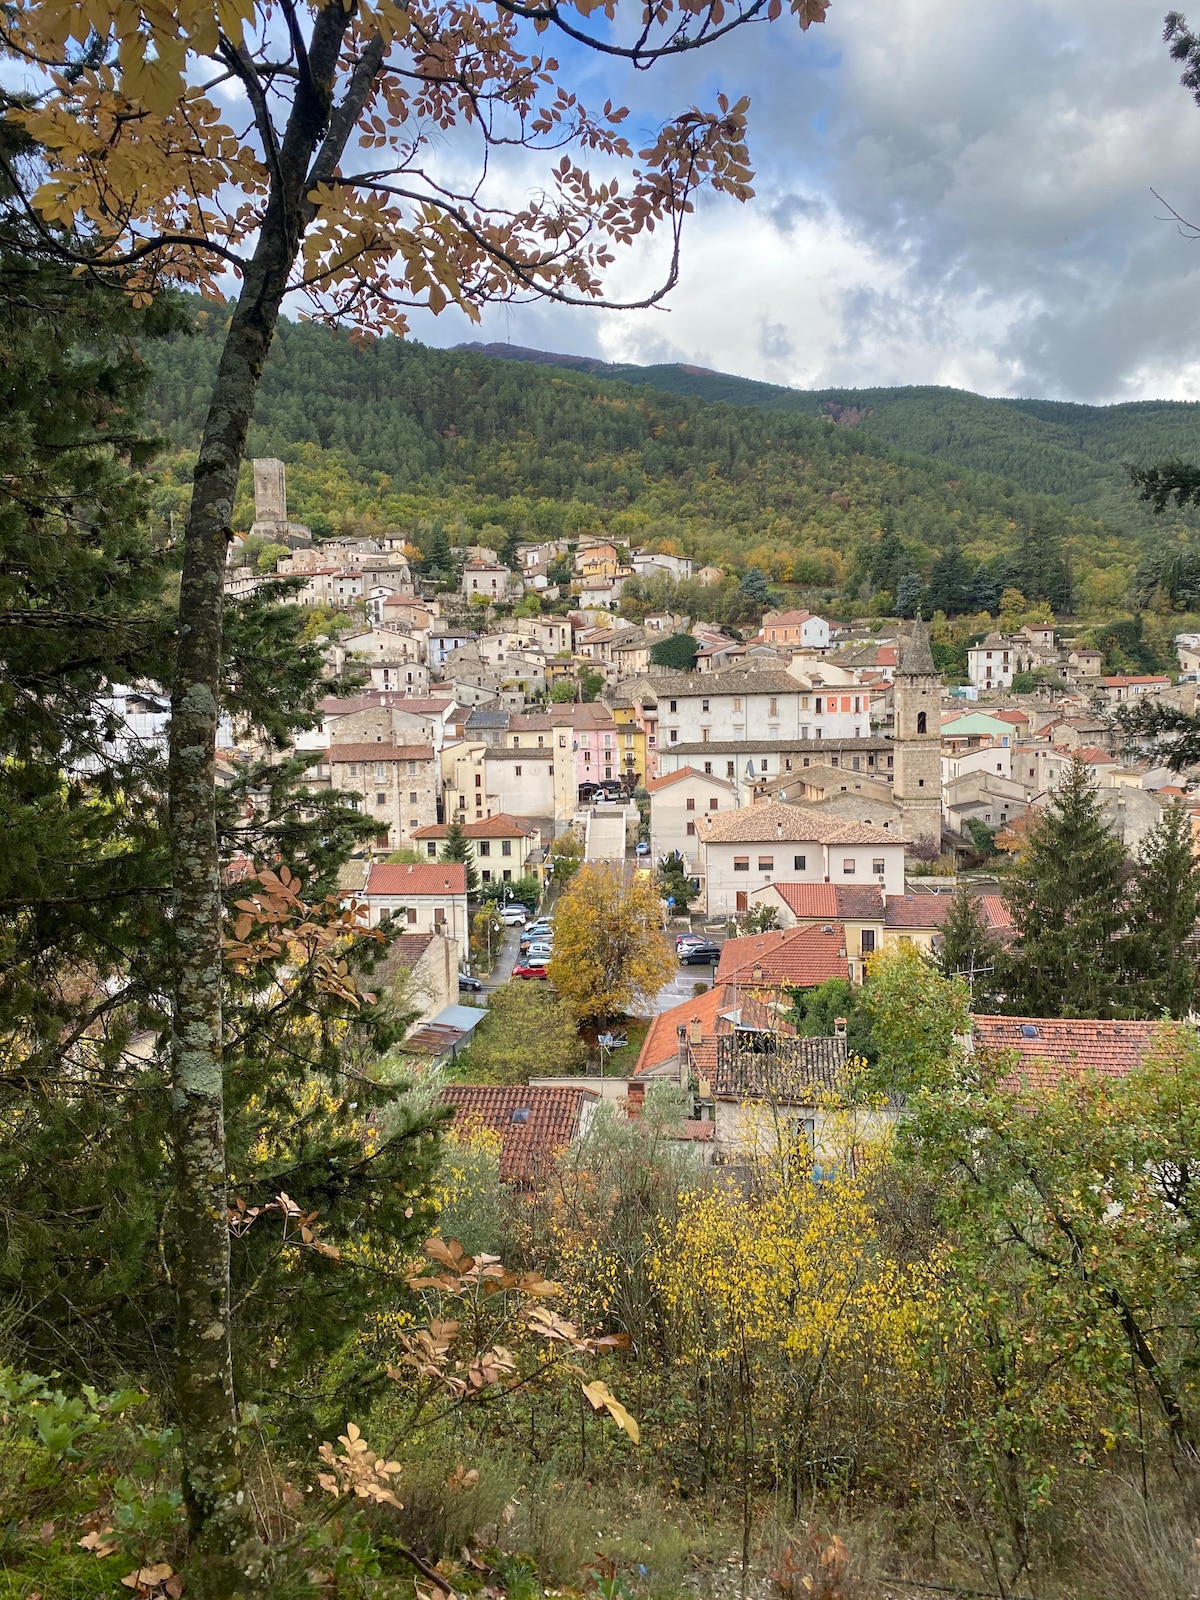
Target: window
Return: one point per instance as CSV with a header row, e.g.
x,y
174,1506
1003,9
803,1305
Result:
x,y
439,916
704,705
712,805
879,868
922,722
673,736
484,847
819,706
773,707
541,741
479,780
691,805
381,799
674,705
766,863
737,704
704,733
848,866
708,768
412,797
729,771
858,702
691,828
412,917
741,863
352,770
412,769
506,847
799,863
868,941
516,772
487,877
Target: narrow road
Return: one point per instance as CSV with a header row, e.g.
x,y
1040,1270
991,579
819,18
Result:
x,y
605,839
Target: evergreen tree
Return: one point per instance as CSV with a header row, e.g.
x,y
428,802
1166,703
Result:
x,y
677,651
950,583
908,593
753,586
1163,912
985,591
1066,896
969,950
457,847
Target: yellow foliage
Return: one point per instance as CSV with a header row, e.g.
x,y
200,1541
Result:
x,y
610,954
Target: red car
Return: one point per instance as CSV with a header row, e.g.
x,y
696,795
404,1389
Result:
x,y
526,970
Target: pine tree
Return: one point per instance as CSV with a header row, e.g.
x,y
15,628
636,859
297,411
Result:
x,y
1163,911
969,950
457,847
1066,896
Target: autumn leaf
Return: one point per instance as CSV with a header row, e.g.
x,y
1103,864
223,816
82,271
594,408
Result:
x,y
601,1398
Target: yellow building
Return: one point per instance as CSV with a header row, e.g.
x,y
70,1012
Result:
x,y
631,742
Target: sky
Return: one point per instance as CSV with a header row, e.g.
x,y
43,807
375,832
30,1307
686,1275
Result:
x,y
946,193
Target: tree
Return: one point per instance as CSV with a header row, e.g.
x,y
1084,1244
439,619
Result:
x,y
678,651
950,583
563,692
610,954
675,885
1066,896
566,857
590,685
457,847
1162,916
123,181
816,1012
969,951
753,586
908,593
525,891
528,1029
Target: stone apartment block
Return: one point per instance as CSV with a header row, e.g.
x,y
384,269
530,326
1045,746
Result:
x,y
398,785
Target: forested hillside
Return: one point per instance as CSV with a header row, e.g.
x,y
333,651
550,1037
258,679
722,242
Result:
x,y
404,434
1047,446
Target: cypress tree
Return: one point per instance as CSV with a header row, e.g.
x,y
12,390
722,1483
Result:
x,y
457,847
1165,903
1066,896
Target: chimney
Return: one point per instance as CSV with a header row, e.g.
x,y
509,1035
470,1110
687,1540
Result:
x,y
695,1031
757,974
635,1100
839,1027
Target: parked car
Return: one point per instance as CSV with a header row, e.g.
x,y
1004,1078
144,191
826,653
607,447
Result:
x,y
469,985
539,952
689,938
514,916
529,969
535,932
699,955
643,848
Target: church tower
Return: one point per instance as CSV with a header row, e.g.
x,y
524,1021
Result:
x,y
917,704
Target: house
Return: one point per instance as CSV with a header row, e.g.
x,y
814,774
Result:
x,y
535,1125
795,629
502,847
1049,1049
745,850
787,958
646,563
758,702
1118,690
857,907
719,1010
429,898
677,800
424,966
490,581
398,785
749,763
709,576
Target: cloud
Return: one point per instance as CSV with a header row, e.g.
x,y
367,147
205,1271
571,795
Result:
x,y
946,194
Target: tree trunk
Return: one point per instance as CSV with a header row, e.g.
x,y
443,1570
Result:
x,y
226,1558
226,1561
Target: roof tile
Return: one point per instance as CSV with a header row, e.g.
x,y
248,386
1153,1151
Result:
x,y
530,1143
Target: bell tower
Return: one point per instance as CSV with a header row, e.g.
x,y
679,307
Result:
x,y
917,703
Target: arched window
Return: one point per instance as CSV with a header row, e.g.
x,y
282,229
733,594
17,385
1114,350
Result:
x,y
921,728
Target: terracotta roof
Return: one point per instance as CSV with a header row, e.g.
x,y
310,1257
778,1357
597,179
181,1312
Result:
x,y
1144,677
832,902
653,785
917,910
996,913
717,1011
380,752
800,957
535,1124
501,826
1010,716
778,822
789,619
424,878
787,747
1095,757
1052,1048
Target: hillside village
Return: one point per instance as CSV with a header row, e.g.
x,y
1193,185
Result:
x,y
816,776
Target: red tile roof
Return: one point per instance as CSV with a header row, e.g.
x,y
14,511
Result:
x,y
996,913
799,957
501,826
715,1011
832,902
425,878
917,910
1009,716
1122,681
1051,1048
380,752
535,1124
